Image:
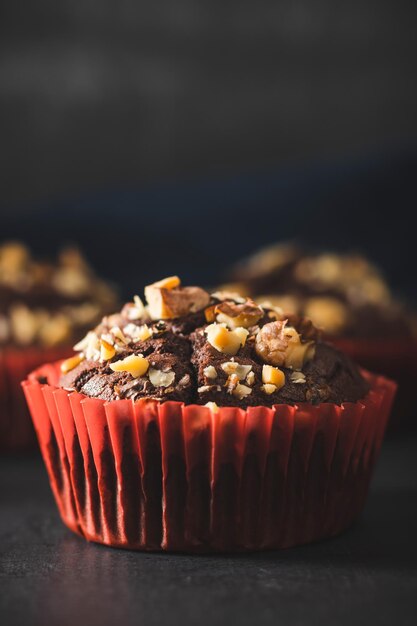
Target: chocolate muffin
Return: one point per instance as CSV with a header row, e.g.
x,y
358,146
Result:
x,y
192,347
347,297
44,308
207,423
344,294
48,304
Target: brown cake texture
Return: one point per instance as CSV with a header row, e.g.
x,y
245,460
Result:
x,y
188,345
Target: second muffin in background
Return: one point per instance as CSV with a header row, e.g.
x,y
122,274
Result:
x,y
45,307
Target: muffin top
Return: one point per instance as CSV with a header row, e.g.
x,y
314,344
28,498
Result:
x,y
191,346
48,304
344,294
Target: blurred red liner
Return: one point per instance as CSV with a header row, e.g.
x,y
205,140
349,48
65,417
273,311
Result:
x,y
151,476
16,429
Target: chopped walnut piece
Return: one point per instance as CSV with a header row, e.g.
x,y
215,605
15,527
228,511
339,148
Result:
x,y
174,302
271,343
280,345
236,315
224,340
305,327
135,364
210,313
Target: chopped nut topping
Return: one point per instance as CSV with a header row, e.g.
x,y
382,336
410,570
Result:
x,y
277,344
205,388
168,283
240,391
210,372
107,351
212,406
137,333
210,314
135,364
268,388
297,353
273,375
134,310
184,381
241,371
71,363
231,383
250,378
161,379
271,343
225,340
164,303
297,377
238,315
118,334
90,346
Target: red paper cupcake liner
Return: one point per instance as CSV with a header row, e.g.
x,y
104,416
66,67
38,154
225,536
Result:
x,y
16,429
396,359
151,476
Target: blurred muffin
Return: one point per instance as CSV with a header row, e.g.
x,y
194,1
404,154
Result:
x,y
347,297
344,294
44,308
205,422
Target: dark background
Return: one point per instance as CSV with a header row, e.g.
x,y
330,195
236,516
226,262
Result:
x,y
176,136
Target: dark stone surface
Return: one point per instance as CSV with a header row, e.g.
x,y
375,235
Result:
x,y
366,576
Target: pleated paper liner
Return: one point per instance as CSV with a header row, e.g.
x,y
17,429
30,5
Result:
x,y
16,429
396,359
151,476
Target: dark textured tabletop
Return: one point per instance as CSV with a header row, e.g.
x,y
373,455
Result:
x,y
366,576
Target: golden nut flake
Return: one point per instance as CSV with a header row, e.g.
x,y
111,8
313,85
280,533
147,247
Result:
x,y
71,363
236,315
107,350
273,375
225,340
134,364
